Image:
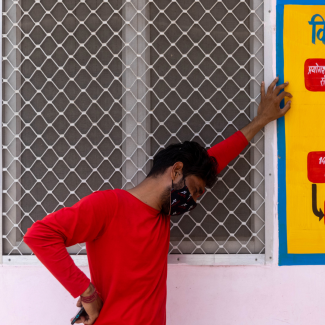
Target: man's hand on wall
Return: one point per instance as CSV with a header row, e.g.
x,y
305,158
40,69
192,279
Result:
x,y
269,108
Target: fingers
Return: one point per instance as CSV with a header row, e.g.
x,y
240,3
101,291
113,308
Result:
x,y
285,109
263,89
272,85
282,95
80,320
279,88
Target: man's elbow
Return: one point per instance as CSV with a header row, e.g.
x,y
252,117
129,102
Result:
x,y
32,235
29,236
40,235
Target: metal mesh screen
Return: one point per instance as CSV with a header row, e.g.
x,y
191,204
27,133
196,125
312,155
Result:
x,y
93,89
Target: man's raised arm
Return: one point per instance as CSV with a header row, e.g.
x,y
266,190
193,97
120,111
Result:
x,y
268,111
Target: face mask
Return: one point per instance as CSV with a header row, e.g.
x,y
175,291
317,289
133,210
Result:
x,y
181,201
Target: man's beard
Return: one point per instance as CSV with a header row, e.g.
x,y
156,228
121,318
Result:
x,y
165,202
165,198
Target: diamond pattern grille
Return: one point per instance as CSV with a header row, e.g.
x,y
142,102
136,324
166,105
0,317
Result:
x,y
93,89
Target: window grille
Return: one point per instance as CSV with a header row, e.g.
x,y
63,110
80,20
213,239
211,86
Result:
x,y
93,89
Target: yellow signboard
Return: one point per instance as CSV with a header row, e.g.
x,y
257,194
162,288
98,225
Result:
x,y
303,42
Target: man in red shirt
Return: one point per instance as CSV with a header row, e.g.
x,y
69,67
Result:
x,y
127,232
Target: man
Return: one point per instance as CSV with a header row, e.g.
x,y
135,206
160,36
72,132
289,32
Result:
x,y
127,232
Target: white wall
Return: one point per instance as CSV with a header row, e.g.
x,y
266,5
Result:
x,y
252,295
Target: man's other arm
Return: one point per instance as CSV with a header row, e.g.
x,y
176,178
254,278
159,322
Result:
x,y
83,222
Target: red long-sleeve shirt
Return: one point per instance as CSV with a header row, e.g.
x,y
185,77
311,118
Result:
x,y
127,247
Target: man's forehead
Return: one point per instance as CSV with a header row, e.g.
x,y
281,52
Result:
x,y
195,181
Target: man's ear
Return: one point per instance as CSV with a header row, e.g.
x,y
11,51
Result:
x,y
177,172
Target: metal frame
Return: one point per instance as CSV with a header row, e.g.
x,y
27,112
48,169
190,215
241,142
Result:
x,y
271,237
270,183
81,260
270,139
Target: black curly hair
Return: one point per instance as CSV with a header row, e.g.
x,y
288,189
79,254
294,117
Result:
x,y
196,161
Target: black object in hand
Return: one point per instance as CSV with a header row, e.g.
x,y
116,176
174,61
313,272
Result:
x,y
81,312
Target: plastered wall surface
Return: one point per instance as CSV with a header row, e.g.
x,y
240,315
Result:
x,y
250,295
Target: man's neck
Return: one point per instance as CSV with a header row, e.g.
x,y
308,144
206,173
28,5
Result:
x,y
149,192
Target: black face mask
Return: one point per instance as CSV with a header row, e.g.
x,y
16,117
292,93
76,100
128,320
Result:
x,y
181,201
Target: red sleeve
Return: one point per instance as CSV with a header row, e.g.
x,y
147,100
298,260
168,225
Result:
x,y
83,222
228,149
